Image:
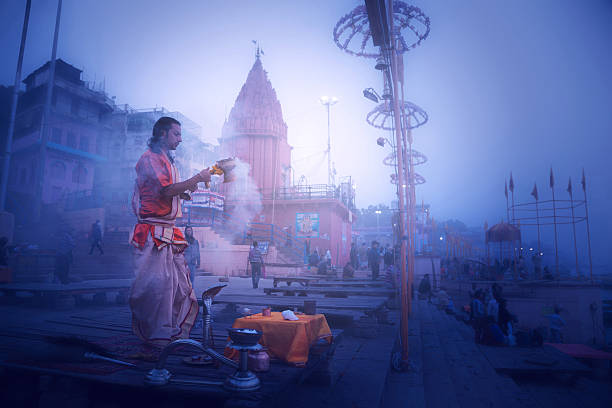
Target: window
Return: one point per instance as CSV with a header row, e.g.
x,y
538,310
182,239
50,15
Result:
x,y
72,142
58,170
79,174
56,135
84,143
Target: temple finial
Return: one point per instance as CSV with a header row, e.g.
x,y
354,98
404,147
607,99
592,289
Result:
x,y
258,51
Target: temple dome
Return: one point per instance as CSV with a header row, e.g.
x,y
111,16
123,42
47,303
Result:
x,y
257,110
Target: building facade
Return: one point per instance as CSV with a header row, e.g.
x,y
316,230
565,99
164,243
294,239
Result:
x,y
78,129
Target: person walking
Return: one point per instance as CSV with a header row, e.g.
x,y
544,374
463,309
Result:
x,y
192,253
96,238
256,261
353,256
374,260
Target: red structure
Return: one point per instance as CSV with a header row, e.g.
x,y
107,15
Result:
x,y
256,133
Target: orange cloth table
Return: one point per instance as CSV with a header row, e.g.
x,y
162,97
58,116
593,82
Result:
x,y
286,340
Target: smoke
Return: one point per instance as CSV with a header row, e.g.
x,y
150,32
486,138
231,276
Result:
x,y
243,199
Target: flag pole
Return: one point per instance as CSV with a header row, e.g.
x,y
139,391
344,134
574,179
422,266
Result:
x,y
569,190
507,205
586,211
534,193
552,187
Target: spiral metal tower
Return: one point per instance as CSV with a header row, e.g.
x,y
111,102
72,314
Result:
x,y
385,30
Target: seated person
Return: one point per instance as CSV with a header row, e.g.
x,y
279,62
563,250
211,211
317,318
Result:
x,y
348,271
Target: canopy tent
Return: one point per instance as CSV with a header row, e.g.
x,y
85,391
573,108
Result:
x,y
501,233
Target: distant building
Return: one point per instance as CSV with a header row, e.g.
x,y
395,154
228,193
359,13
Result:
x,y
79,131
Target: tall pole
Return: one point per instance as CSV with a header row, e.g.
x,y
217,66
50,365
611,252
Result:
x,y
405,298
328,102
586,213
44,128
552,187
507,205
569,190
538,224
9,140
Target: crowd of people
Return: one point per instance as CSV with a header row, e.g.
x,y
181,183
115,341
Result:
x,y
478,269
490,317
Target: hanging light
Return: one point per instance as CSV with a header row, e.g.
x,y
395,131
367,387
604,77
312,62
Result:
x,y
371,94
381,64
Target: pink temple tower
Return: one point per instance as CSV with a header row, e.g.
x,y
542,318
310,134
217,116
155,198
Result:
x,y
256,133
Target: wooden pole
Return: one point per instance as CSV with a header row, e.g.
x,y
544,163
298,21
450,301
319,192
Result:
x,y
555,229
8,148
405,295
538,224
586,212
44,125
569,190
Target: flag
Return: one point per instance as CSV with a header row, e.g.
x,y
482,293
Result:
x,y
534,192
552,179
511,185
506,189
583,182
569,186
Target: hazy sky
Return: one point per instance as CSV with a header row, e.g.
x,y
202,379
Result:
x,y
509,86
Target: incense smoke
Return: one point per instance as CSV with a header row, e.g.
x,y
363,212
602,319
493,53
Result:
x,y
243,198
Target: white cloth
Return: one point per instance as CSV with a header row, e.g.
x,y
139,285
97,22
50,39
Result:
x,y
289,315
163,303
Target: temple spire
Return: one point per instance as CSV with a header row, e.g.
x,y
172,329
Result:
x,y
257,109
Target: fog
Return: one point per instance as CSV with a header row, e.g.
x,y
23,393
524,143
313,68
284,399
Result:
x,y
517,87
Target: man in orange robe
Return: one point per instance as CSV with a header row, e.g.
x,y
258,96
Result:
x,y
164,306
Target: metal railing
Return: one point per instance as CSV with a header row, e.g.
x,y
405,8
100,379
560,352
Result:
x,y
308,192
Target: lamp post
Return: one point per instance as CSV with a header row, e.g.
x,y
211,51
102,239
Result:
x,y
378,212
328,102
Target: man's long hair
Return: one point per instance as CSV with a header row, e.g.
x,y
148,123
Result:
x,y
161,127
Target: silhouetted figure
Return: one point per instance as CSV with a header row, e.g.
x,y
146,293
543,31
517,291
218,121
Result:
x,y
63,257
547,274
478,315
354,257
192,253
4,251
388,257
314,258
96,237
256,261
348,271
374,260
425,287
556,323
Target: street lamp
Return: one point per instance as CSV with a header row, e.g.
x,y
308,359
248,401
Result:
x,y
377,212
328,102
371,94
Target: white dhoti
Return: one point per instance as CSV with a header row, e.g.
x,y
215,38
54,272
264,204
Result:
x,y
163,303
